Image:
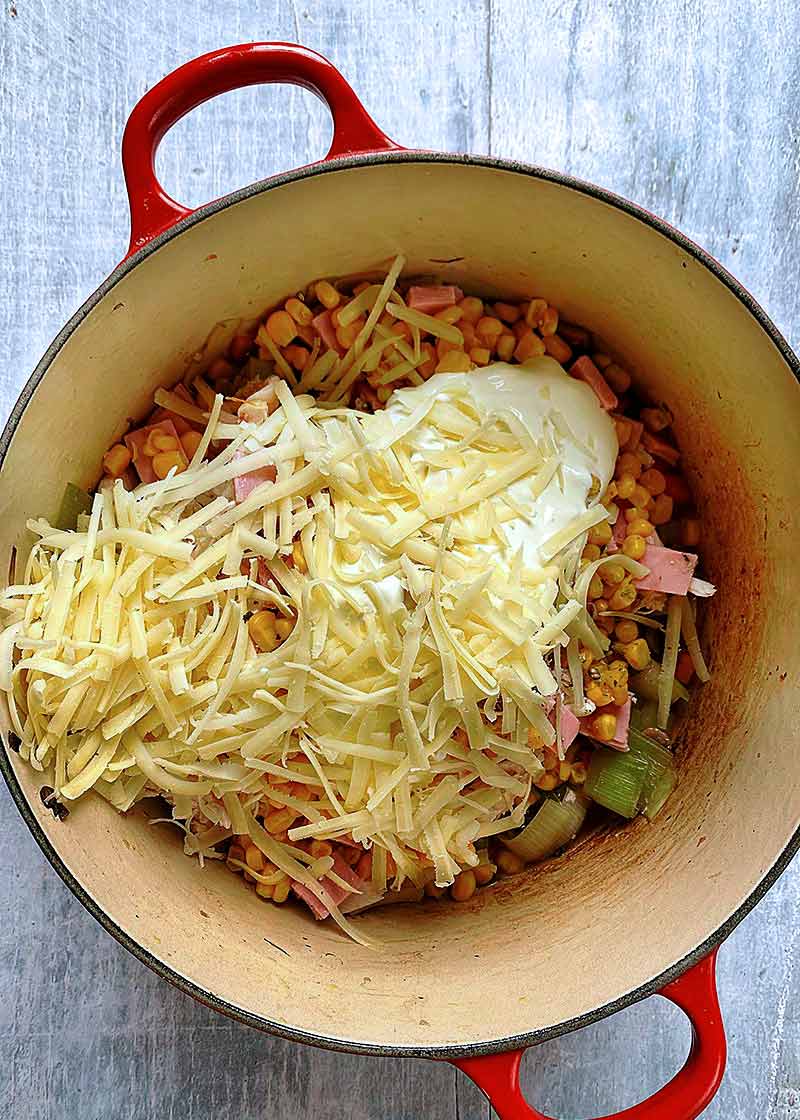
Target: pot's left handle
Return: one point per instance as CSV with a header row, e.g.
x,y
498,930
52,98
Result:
x,y
152,209
682,1098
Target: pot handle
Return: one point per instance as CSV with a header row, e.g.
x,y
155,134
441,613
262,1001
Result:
x,y
152,209
682,1098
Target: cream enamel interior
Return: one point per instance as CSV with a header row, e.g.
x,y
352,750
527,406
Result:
x,y
628,904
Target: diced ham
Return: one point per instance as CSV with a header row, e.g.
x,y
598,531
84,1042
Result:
x,y
430,298
623,717
570,726
245,484
136,440
585,370
670,571
323,325
337,894
660,448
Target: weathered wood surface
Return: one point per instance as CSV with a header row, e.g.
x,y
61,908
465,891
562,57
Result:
x,y
690,108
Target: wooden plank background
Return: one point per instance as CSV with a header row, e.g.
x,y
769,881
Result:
x,y
690,108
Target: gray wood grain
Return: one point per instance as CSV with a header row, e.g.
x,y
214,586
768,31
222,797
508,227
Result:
x,y
690,108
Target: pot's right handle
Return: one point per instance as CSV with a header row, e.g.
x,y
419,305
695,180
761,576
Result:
x,y
248,64
682,1098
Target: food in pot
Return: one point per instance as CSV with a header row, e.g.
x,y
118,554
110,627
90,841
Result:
x,y
382,604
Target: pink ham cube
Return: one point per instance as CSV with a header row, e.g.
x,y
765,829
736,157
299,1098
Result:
x,y
245,484
337,894
670,571
323,325
431,298
570,726
585,370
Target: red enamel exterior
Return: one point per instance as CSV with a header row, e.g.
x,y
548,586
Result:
x,y
355,133
249,64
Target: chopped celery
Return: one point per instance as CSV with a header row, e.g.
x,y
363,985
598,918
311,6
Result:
x,y
644,714
616,780
555,824
661,776
73,503
645,685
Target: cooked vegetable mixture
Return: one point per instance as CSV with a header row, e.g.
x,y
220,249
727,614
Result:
x,y
381,604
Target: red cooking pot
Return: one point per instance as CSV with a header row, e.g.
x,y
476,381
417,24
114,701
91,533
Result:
x,y
630,912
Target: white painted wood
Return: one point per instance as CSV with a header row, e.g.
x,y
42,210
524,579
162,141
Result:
x,y
688,107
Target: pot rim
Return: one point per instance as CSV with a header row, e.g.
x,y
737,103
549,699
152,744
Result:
x,y
166,972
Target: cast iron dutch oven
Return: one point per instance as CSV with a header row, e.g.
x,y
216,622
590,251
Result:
x,y
633,912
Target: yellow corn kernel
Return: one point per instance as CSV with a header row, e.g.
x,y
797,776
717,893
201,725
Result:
x,y
262,630
613,573
591,552
264,890
548,780
299,558
484,873
488,329
281,328
505,346
628,463
116,460
190,441
662,510
320,848
297,357
618,378
626,630
528,346
327,294
509,862
280,892
641,527
472,309
604,727
636,513
637,654
623,597
480,355
535,741
557,348
164,461
508,312
599,694
284,627
564,771
464,887
254,858
451,315
600,534
634,546
653,481
595,587
455,361
346,336
548,321
536,309
602,361
299,311
626,484
279,820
